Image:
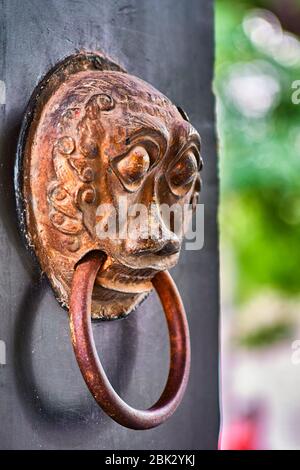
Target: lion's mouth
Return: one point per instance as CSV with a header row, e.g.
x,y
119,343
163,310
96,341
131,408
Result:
x,y
121,278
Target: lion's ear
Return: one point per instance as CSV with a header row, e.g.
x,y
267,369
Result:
x,y
183,113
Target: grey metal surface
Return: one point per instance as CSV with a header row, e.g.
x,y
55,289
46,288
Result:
x,y
44,401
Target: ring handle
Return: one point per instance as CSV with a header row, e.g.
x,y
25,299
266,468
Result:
x,y
91,367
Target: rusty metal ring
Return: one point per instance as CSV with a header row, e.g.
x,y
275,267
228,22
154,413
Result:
x,y
90,365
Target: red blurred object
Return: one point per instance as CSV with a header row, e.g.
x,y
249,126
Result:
x,y
242,434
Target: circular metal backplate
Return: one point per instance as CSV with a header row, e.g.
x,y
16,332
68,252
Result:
x,y
55,240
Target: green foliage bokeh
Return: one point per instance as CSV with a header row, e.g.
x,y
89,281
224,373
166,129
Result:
x,y
259,166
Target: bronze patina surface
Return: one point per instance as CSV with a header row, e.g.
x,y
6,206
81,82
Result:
x,y
92,134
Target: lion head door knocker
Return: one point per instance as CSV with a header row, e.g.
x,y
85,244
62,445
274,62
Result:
x,y
95,145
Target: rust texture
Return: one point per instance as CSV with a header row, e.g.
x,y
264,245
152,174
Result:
x,y
95,134
90,365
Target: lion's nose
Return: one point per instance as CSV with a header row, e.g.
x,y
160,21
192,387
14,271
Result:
x,y
159,240
170,248
147,247
155,236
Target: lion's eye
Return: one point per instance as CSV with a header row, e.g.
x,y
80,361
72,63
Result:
x,y
133,167
182,175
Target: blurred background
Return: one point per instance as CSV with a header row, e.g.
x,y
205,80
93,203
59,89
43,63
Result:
x,y
256,73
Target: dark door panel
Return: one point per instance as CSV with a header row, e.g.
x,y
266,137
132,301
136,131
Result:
x,y
44,401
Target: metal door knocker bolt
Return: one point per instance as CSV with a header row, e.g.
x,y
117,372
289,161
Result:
x,y
94,136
